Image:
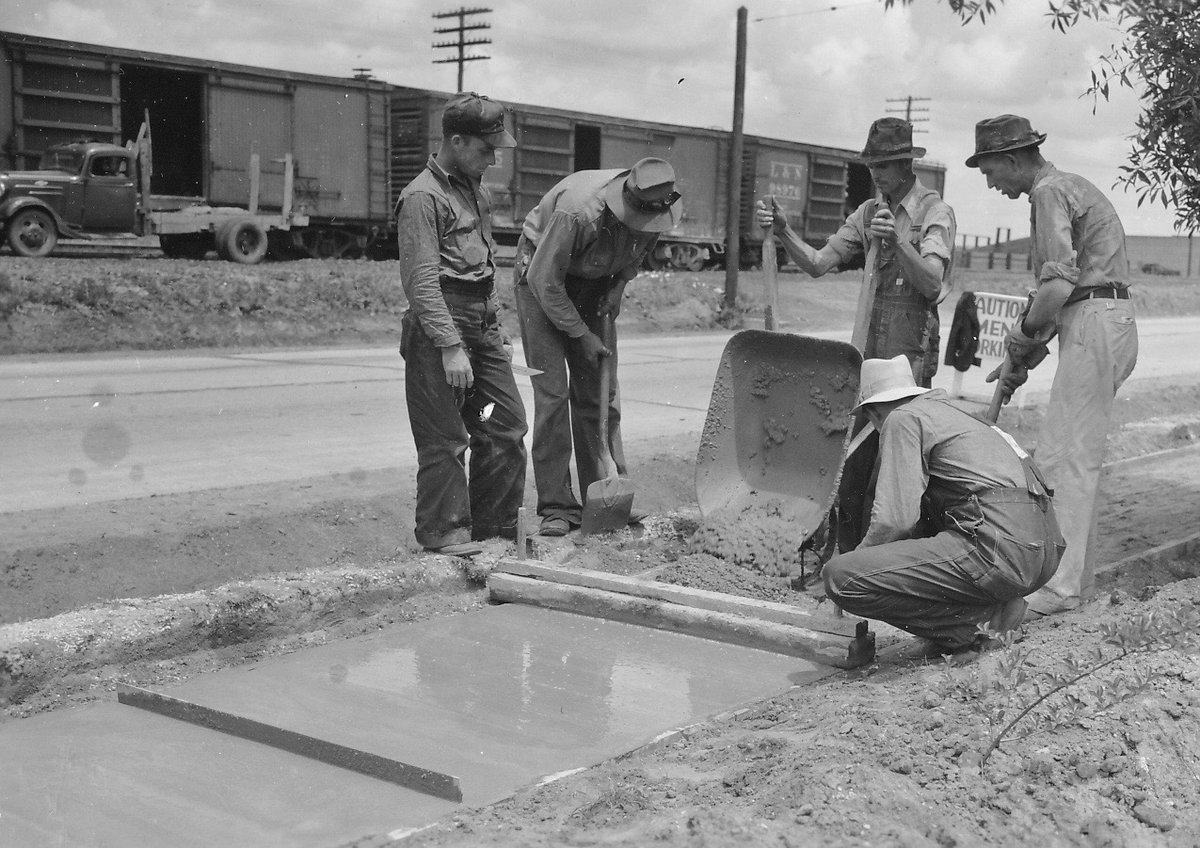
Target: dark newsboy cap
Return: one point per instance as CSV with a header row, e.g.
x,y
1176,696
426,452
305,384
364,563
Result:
x,y
468,113
1002,134
890,138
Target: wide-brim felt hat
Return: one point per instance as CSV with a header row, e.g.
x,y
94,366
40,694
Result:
x,y
1002,134
644,197
883,380
889,138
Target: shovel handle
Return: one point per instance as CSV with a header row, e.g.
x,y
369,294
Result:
x,y
608,466
770,267
993,413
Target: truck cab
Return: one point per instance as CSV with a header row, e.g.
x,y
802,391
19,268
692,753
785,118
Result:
x,y
80,188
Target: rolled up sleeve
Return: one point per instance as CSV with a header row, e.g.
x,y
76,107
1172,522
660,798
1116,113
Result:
x,y
1052,225
420,262
938,233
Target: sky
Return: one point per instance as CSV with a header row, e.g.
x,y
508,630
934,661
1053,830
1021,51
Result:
x,y
817,71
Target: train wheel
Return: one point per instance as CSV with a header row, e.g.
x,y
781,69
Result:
x,y
688,257
242,241
31,232
329,243
185,245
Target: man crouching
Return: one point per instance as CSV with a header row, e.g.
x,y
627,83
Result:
x,y
962,525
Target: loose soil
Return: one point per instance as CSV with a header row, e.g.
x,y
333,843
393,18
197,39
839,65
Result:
x,y
889,754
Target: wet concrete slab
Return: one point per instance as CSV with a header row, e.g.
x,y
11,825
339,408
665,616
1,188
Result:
x,y
498,697
108,775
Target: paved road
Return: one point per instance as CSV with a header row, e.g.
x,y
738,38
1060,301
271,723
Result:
x,y
79,430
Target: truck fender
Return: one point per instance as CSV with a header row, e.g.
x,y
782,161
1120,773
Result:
x,y
11,207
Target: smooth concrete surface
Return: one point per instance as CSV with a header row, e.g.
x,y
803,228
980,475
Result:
x,y
501,696
110,775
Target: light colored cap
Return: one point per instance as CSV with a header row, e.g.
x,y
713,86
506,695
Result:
x,y
884,380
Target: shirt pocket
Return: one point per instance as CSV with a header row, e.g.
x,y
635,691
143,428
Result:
x,y
465,244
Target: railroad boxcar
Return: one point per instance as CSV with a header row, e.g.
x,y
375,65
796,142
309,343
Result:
x,y
207,118
355,142
818,186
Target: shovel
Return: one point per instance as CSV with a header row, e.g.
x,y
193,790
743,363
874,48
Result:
x,y
608,500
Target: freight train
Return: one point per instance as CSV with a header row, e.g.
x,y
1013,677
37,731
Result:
x,y
353,143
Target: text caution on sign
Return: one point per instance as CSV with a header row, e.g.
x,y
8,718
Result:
x,y
997,313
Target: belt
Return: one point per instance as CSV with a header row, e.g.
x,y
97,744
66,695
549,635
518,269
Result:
x,y
481,290
1111,292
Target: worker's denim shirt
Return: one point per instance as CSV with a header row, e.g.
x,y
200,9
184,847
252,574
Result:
x,y
1077,235
445,233
574,234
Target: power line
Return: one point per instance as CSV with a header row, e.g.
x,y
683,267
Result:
x,y
908,111
463,42
817,11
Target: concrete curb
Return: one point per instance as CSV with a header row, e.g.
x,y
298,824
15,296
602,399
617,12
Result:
x,y
35,653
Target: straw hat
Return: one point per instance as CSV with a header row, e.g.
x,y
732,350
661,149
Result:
x,y
885,380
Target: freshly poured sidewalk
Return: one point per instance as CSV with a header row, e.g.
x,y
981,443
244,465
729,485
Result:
x,y
495,698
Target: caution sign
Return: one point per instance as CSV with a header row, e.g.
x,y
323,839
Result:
x,y
997,314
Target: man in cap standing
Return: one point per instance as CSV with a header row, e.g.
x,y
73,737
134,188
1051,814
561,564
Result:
x,y
1078,251
987,537
907,236
458,376
578,249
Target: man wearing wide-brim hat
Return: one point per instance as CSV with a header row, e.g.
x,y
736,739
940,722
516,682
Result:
x,y
579,247
907,237
962,525
906,234
1077,247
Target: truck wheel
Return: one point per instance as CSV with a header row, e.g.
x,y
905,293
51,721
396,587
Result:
x,y
242,241
31,232
185,245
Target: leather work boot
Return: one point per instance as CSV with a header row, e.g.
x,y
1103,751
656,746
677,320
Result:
x,y
459,549
1009,616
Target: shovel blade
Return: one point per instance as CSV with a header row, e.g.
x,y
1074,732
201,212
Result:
x,y
607,505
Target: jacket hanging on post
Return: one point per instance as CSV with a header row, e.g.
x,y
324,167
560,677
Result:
x,y
963,341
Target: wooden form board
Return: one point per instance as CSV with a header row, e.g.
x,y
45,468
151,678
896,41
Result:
x,y
710,615
699,598
394,771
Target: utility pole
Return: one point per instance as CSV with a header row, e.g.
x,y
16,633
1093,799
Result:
x,y
908,110
733,248
463,42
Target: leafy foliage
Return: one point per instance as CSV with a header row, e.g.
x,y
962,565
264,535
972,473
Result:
x,y
1159,57
1075,687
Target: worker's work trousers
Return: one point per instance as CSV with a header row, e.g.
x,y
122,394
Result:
x,y
446,421
566,401
1097,349
993,548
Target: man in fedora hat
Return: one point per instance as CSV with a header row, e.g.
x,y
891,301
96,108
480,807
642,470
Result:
x,y
1077,246
907,236
457,356
578,248
962,526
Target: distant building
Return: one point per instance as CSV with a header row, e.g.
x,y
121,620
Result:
x,y
1148,255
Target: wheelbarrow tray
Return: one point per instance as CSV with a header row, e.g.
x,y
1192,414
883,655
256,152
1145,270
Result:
x,y
777,428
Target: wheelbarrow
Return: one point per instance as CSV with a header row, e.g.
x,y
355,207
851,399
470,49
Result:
x,y
777,429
